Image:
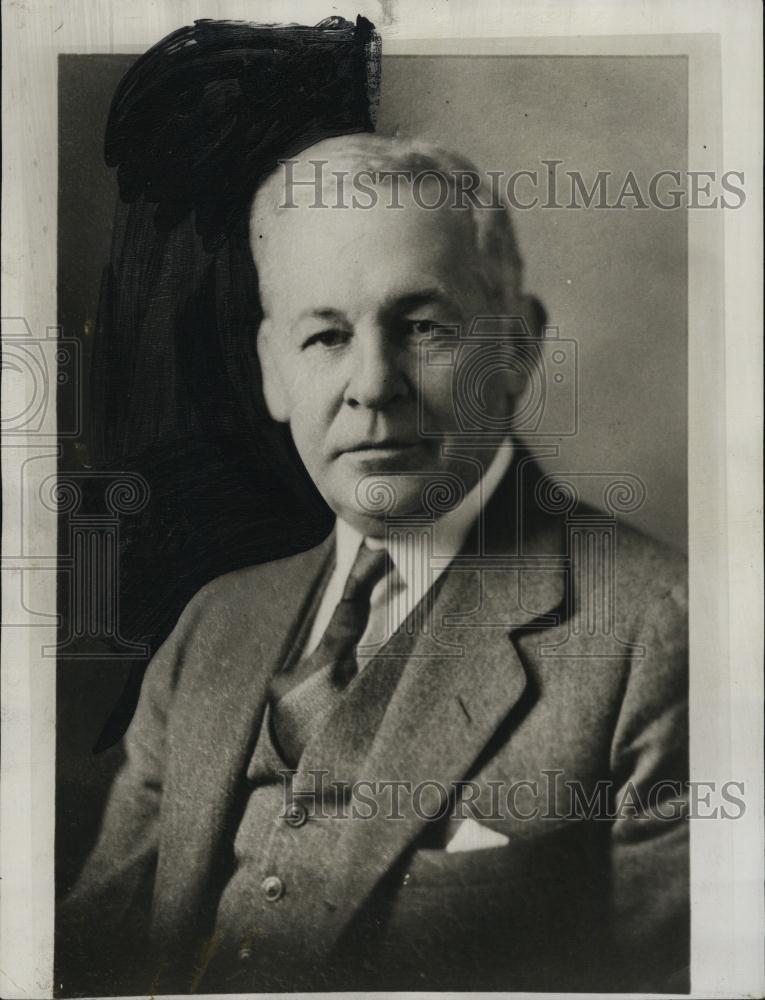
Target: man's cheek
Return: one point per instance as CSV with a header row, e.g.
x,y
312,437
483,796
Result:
x,y
302,434
437,410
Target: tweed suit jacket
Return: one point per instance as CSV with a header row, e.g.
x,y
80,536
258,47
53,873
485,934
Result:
x,y
546,678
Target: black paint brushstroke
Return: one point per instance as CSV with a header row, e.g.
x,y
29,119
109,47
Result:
x,y
196,123
210,109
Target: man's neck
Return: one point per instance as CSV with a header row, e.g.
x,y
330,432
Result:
x,y
446,533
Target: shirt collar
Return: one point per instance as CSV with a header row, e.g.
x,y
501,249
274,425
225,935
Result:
x,y
449,531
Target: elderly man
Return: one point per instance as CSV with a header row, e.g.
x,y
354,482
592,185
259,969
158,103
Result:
x,y
413,757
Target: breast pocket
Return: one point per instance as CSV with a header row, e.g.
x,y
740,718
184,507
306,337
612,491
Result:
x,y
569,851
429,867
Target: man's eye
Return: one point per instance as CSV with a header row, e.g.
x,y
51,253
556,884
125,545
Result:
x,y
422,327
327,338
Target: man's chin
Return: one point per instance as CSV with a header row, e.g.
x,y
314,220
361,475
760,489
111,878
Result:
x,y
375,526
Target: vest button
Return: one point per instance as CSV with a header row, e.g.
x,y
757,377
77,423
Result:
x,y
273,888
295,814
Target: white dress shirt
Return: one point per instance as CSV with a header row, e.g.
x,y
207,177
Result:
x,y
416,567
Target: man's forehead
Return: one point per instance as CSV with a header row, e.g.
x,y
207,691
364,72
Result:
x,y
338,256
302,228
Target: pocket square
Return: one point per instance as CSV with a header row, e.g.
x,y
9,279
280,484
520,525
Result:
x,y
472,836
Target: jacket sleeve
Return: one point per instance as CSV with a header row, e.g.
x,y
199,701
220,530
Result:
x,y
650,871
103,924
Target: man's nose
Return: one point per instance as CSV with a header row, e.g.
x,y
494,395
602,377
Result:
x,y
377,378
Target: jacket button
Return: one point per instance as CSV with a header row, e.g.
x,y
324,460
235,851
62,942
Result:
x,y
295,814
245,953
273,888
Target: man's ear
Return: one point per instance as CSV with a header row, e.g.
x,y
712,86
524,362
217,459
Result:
x,y
521,383
274,390
536,316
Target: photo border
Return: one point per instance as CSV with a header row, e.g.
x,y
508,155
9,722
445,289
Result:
x,y
722,44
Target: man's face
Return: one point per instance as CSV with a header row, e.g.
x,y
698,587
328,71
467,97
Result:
x,y
349,296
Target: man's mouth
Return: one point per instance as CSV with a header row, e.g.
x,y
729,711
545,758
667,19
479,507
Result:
x,y
385,446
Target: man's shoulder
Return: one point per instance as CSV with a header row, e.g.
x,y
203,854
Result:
x,y
248,584
236,613
649,565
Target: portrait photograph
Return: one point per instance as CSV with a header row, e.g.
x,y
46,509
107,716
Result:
x,y
382,544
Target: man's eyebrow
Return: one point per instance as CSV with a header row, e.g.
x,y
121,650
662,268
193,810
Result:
x,y
326,313
397,306
412,300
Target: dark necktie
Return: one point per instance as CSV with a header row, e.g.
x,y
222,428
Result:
x,y
302,697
